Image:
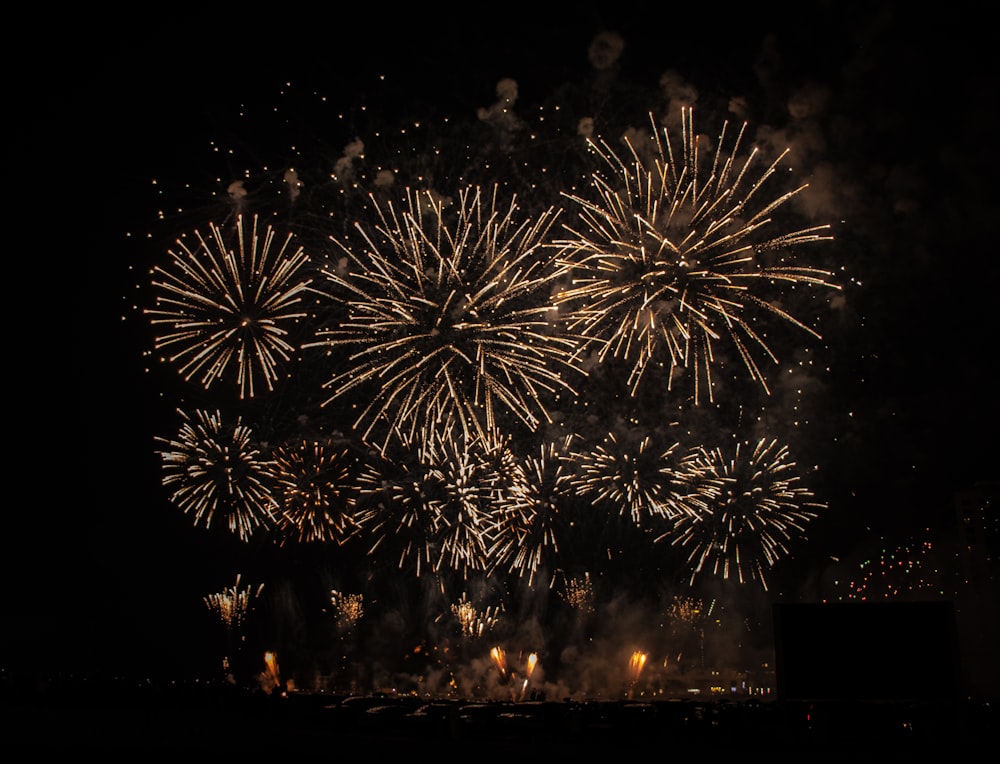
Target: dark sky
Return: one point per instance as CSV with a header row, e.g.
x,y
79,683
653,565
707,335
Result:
x,y
905,116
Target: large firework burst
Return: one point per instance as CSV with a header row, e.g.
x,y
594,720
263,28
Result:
x,y
756,507
225,305
672,256
315,489
450,315
216,470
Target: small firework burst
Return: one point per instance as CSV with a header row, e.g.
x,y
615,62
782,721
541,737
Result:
x,y
315,489
672,257
535,509
637,477
216,470
233,604
349,608
473,622
579,593
435,499
225,306
756,506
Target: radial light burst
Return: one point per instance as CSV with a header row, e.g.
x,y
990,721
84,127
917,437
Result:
x,y
450,315
225,304
672,256
434,498
638,477
315,489
216,471
537,508
757,506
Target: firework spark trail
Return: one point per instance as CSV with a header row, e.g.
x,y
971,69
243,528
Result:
x,y
756,508
314,485
499,658
636,663
528,671
670,259
215,470
220,307
449,315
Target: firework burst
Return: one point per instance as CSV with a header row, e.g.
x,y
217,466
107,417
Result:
x,y
756,506
225,305
215,470
473,622
349,608
672,257
579,593
232,604
449,315
536,509
434,498
638,478
315,490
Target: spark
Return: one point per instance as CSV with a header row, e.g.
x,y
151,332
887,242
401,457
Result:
x,y
433,498
579,593
232,605
472,621
637,477
348,607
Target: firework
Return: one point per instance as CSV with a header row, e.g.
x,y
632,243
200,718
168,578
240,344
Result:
x,y
638,478
270,677
673,256
579,593
686,611
911,569
636,663
535,511
435,499
499,658
216,471
348,607
316,502
528,671
232,605
756,506
225,309
449,315
471,621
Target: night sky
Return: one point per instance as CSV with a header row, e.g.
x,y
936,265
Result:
x,y
891,110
